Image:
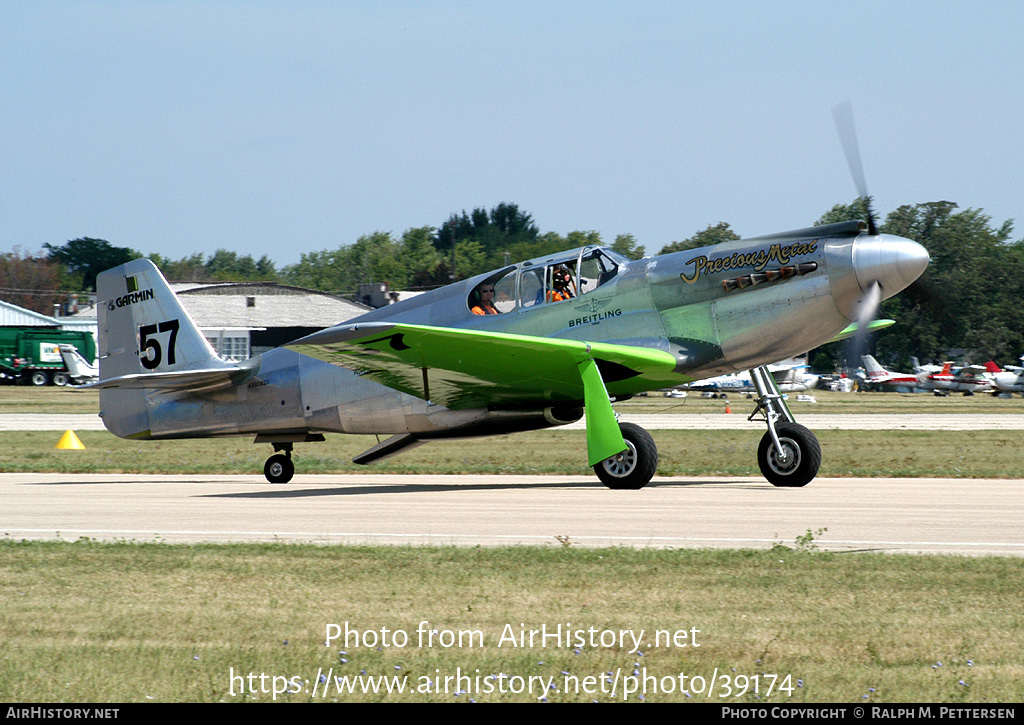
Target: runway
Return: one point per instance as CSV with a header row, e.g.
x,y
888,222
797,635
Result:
x,y
959,516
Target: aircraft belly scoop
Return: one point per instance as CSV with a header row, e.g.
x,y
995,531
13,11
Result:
x,y
462,369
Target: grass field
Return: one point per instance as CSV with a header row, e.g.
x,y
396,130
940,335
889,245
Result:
x,y
942,454
120,622
91,622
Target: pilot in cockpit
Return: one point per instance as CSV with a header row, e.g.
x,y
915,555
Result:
x,y
561,283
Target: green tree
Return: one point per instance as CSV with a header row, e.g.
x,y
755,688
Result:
x,y
420,258
549,243
470,259
377,258
325,270
625,244
854,211
497,232
227,266
89,257
374,257
713,234
969,297
187,269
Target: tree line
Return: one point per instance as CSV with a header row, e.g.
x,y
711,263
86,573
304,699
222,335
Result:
x,y
967,305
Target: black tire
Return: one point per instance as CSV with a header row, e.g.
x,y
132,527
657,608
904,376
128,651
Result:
x,y
633,468
803,461
61,379
279,469
39,378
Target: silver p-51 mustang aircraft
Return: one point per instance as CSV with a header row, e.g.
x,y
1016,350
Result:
x,y
529,346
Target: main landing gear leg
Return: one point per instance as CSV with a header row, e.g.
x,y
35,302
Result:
x,y
279,467
789,455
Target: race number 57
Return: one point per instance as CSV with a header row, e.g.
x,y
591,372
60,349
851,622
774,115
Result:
x,y
148,344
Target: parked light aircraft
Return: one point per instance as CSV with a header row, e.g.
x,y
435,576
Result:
x,y
967,380
878,375
80,370
1010,380
430,368
789,375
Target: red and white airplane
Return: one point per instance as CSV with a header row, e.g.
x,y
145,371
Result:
x,y
968,380
877,375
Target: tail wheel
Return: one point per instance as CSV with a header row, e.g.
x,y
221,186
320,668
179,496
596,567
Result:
x,y
634,467
797,463
279,469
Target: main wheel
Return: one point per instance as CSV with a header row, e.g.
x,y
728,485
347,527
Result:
x,y
801,461
635,466
279,469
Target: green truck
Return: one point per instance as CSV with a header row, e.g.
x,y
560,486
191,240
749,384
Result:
x,y
31,356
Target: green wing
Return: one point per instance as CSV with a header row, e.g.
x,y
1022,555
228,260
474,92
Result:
x,y
471,369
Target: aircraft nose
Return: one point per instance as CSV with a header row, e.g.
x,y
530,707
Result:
x,y
893,262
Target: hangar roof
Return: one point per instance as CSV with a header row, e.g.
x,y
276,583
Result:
x,y
12,315
266,305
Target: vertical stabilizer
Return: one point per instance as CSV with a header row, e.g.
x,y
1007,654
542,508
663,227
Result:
x,y
148,344
142,326
872,367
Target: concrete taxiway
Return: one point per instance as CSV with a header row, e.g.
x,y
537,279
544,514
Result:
x,y
961,516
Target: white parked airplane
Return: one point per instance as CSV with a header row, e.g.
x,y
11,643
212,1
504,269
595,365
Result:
x,y
79,369
790,375
1011,379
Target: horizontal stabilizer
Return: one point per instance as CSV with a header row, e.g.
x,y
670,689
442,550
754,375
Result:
x,y
196,381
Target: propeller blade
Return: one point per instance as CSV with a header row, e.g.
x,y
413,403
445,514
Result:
x,y
842,113
865,317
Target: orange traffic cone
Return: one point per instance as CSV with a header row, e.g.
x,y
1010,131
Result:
x,y
69,441
727,408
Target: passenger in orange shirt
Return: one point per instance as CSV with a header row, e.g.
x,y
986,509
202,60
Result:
x,y
486,305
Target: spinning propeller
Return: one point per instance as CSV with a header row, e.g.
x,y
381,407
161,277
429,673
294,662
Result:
x,y
843,116
868,306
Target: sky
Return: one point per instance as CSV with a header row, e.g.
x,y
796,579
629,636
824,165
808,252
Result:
x,y
281,128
